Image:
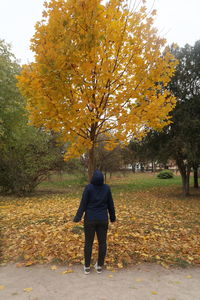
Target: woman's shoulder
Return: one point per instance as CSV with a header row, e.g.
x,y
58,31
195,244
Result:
x,y
89,186
106,186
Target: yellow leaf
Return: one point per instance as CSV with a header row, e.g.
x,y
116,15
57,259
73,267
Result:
x,y
110,275
68,271
164,265
138,280
2,287
28,289
109,268
19,265
26,256
189,276
154,293
120,265
29,263
54,267
190,258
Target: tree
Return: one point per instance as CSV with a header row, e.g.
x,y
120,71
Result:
x,y
11,101
99,69
107,160
27,154
180,140
185,86
134,153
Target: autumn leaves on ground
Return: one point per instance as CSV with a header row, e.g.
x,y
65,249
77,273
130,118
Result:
x,y
154,224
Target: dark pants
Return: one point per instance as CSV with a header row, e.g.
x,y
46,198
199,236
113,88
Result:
x,y
101,228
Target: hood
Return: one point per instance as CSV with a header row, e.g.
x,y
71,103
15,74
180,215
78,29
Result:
x,y
97,178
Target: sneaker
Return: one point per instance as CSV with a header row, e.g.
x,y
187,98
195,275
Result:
x,y
86,270
98,268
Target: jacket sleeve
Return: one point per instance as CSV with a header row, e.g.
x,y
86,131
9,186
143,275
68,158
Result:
x,y
82,206
111,207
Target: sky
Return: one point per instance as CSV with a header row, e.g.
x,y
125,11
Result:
x,y
177,20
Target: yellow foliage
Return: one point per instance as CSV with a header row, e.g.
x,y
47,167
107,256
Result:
x,y
97,68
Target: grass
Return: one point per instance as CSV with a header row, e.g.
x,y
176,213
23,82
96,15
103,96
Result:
x,y
126,182
141,181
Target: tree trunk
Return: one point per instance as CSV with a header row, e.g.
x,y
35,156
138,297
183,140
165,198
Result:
x,y
185,184
133,168
184,169
152,166
90,163
105,176
195,169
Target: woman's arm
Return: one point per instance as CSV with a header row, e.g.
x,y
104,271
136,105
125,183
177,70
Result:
x,y
82,206
111,207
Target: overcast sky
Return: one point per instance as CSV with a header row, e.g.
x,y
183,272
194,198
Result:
x,y
177,20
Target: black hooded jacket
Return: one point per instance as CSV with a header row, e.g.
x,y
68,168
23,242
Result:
x,y
96,201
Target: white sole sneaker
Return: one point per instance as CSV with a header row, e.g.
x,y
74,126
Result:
x,y
86,270
98,268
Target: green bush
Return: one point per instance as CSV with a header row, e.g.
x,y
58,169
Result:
x,y
27,160
165,174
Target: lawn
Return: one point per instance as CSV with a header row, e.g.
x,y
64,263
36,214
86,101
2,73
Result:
x,y
154,223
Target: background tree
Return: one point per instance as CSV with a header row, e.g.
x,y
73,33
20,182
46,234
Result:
x,y
107,161
99,69
181,139
27,154
186,130
11,101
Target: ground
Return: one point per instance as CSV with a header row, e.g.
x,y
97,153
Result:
x,y
141,282
153,248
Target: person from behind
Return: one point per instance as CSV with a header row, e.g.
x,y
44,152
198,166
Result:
x,y
96,203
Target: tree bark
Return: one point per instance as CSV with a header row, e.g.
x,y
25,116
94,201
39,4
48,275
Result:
x,y
195,169
142,167
90,163
152,166
184,169
133,168
105,176
185,184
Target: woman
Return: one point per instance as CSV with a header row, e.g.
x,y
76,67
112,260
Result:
x,y
96,202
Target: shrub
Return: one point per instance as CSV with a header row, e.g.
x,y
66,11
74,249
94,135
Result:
x,y
27,160
165,174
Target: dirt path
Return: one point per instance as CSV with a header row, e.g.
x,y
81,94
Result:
x,y
142,282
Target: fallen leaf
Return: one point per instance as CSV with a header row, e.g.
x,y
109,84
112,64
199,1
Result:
x,y
154,293
2,287
138,280
68,271
54,267
110,275
189,276
29,263
120,265
165,265
19,265
28,289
